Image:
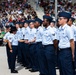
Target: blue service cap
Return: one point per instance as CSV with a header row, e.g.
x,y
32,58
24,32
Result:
x,y
38,20
7,26
13,28
21,23
73,19
53,22
47,17
29,21
65,14
26,21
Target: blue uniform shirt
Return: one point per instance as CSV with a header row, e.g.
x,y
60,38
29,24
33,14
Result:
x,y
32,34
57,33
13,39
48,36
20,33
6,36
26,32
65,35
39,32
74,31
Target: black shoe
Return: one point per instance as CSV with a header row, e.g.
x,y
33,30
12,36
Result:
x,y
22,65
41,74
28,67
57,67
32,70
14,71
9,68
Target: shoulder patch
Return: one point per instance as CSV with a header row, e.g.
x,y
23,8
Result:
x,y
53,34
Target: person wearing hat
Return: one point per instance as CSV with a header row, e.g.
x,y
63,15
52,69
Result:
x,y
52,24
39,32
17,26
20,36
70,23
13,48
55,29
66,45
5,39
8,28
32,44
25,51
48,39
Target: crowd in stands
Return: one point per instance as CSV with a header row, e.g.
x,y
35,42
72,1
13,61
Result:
x,y
63,5
13,11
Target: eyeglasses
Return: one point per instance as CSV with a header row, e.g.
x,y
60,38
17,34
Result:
x,y
61,18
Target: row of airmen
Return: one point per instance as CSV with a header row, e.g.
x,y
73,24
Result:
x,y
36,46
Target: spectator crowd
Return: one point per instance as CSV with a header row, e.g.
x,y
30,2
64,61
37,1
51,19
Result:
x,y
13,11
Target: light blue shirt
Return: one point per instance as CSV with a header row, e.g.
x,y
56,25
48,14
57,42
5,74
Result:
x,y
74,31
13,39
54,29
39,32
26,32
19,34
6,36
32,34
57,33
48,36
65,35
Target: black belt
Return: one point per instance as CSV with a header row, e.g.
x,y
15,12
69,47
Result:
x,y
64,48
14,46
48,45
32,43
38,42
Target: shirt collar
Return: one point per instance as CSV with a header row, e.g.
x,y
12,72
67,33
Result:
x,y
38,28
12,34
47,28
62,28
26,27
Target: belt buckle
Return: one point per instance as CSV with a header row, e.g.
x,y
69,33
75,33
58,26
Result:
x,y
59,49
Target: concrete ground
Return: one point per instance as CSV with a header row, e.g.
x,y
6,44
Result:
x,y
4,66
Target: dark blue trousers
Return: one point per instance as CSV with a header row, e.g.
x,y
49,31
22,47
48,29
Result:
x,y
27,55
75,55
75,59
32,49
8,55
38,55
20,48
13,57
40,58
25,52
49,59
65,61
